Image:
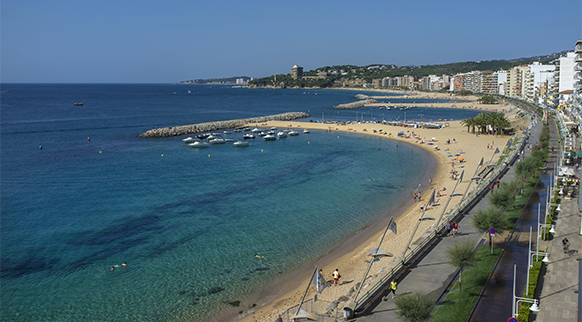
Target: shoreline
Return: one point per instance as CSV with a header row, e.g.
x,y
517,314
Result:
x,y
349,255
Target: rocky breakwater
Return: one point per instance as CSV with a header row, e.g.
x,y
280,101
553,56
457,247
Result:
x,y
219,125
353,105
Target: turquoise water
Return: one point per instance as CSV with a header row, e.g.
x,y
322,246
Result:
x,y
188,222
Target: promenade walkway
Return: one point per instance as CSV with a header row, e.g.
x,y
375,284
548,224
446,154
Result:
x,y
433,274
559,286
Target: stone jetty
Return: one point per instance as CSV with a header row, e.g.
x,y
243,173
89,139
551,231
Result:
x,y
353,105
219,125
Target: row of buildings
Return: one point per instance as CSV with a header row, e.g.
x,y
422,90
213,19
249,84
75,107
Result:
x,y
554,84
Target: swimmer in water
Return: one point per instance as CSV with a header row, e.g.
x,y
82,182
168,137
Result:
x,y
257,256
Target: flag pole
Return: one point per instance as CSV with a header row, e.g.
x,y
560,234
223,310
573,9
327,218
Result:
x,y
417,224
305,294
449,200
471,180
371,262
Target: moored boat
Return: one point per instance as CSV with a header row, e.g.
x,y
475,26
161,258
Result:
x,y
241,143
306,131
281,135
270,137
189,140
293,133
198,144
248,136
217,141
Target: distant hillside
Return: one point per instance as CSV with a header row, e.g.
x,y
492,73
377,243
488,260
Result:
x,y
328,76
223,80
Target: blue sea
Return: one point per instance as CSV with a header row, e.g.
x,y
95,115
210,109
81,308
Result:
x,y
81,193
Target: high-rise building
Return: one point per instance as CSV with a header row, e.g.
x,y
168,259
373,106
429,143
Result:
x,y
296,71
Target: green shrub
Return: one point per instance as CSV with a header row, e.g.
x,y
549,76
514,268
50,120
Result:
x,y
414,307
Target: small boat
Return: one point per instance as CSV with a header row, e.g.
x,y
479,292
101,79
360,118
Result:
x,y
212,137
270,137
306,131
78,104
281,135
293,133
227,132
255,130
286,130
271,132
273,129
217,134
203,136
190,140
217,141
248,136
238,130
262,134
241,143
228,140
198,145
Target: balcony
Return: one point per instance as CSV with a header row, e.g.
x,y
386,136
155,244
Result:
x,y
578,48
578,57
578,67
578,75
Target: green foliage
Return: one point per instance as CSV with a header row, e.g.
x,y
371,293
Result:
x,y
504,196
462,254
487,99
414,307
458,304
494,119
492,217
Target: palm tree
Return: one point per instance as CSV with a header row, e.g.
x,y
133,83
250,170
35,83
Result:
x,y
469,123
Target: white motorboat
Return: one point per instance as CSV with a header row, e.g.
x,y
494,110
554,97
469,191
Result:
x,y
293,133
198,144
271,132
241,143
306,131
228,140
262,134
189,140
217,141
281,135
212,137
248,136
256,130
273,128
270,137
227,132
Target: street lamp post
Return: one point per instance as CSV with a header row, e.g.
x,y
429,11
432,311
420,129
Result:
x,y
515,305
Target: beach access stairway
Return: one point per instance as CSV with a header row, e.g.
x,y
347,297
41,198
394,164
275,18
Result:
x,y
219,125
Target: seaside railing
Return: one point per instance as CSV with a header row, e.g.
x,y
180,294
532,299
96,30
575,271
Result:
x,y
378,284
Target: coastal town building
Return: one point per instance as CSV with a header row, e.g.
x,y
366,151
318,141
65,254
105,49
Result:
x,y
297,71
577,95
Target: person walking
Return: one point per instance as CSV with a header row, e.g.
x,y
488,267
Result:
x,y
455,228
336,276
448,227
393,287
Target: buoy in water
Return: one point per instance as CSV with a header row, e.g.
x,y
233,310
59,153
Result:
x,y
40,147
89,138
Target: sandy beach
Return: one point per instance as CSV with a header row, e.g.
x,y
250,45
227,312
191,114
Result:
x,y
350,256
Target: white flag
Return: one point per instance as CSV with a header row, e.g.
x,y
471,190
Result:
x,y
392,225
319,281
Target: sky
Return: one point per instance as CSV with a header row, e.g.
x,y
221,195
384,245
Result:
x,y
123,41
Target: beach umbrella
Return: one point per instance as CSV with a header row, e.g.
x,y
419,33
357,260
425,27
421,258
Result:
x,y
379,252
579,154
460,159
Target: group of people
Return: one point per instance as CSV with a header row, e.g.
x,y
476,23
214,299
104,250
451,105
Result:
x,y
454,227
417,196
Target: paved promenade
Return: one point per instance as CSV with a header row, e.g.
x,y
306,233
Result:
x,y
559,290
